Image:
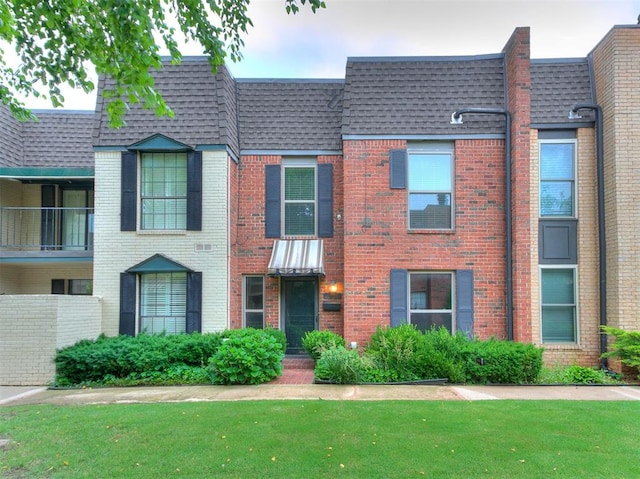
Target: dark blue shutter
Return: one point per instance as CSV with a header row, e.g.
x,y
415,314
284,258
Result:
x,y
194,191
128,304
194,302
272,201
325,201
464,302
129,190
398,168
398,297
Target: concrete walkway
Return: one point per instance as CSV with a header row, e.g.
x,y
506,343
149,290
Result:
x,y
14,396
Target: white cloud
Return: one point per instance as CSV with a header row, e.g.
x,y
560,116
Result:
x,y
317,45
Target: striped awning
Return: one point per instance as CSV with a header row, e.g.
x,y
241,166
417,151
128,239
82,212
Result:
x,y
297,258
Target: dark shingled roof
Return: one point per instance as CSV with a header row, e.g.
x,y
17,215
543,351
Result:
x,y
10,139
203,104
290,114
58,139
557,85
416,95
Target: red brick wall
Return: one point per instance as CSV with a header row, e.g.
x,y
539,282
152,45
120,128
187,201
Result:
x,y
517,62
377,239
252,251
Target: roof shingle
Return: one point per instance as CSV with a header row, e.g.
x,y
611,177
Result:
x,y
416,95
557,85
203,113
290,114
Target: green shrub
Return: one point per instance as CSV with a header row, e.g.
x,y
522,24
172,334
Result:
x,y
317,342
116,358
279,336
341,366
192,349
395,350
582,375
247,357
501,362
626,346
441,355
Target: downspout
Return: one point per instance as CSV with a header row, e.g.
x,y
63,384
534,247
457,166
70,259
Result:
x,y
573,114
456,119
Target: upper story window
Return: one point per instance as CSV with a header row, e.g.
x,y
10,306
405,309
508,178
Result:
x,y
163,191
298,198
299,184
426,170
557,178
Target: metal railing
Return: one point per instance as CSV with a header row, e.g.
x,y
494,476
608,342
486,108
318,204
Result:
x,y
46,228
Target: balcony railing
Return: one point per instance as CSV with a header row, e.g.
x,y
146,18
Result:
x,y
42,229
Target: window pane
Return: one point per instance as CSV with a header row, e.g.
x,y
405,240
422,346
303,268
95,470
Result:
x,y
80,286
426,321
429,172
556,198
429,211
556,161
299,183
558,324
299,218
254,292
254,320
557,286
430,290
163,190
163,302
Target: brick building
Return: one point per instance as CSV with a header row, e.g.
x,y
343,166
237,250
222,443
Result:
x,y
440,191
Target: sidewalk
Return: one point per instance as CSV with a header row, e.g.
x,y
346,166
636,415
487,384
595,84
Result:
x,y
14,396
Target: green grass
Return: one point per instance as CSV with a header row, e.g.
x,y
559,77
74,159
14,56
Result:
x,y
324,439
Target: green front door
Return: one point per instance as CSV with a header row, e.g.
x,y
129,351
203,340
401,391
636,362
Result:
x,y
299,310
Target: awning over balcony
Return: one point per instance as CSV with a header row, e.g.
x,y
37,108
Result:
x,y
297,258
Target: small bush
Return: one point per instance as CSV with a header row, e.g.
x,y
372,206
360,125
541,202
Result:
x,y
626,346
577,375
109,359
582,375
317,342
341,366
502,362
395,351
247,357
441,355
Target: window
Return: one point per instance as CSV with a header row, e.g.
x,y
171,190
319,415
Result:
x,y
163,191
557,178
81,286
430,300
430,189
72,286
299,198
559,318
253,303
163,302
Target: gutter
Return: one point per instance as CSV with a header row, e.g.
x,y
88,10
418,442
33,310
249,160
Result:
x,y
573,114
456,119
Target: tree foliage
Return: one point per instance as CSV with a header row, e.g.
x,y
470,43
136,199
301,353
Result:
x,y
58,41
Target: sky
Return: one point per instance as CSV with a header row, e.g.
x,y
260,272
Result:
x,y
317,45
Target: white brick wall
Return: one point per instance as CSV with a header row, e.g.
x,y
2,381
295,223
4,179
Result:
x,y
33,326
116,251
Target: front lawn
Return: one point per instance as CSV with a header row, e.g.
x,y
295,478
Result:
x,y
323,439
